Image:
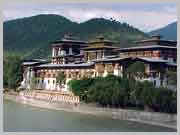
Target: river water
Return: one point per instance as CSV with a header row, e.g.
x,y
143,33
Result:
x,y
25,118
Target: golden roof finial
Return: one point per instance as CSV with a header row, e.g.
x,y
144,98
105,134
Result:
x,y
100,37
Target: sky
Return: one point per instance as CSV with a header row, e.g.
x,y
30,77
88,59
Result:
x,y
144,16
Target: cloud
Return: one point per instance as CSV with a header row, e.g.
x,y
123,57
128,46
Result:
x,y
146,17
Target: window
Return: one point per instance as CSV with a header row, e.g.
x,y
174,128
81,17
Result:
x,y
42,81
48,81
38,81
174,60
161,83
154,75
53,81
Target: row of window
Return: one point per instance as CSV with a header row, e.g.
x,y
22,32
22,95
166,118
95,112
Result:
x,y
74,75
42,81
149,53
43,74
161,82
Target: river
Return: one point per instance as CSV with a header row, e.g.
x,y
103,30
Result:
x,y
24,118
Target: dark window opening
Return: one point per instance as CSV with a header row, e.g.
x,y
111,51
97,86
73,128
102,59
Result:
x,y
154,82
154,75
161,83
174,60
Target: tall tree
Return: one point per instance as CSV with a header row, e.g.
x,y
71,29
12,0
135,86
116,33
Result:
x,y
61,78
172,77
136,70
33,83
12,75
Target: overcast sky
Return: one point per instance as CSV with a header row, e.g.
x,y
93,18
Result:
x,y
146,17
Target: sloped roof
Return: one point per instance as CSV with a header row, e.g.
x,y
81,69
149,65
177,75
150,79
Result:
x,y
147,47
67,65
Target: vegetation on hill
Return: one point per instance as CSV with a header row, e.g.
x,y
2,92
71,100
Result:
x,y
113,30
31,36
168,32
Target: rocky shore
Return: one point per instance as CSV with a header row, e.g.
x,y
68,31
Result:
x,y
158,119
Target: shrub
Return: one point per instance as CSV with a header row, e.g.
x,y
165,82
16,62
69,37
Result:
x,y
61,78
100,92
157,99
113,91
109,91
12,71
80,87
165,100
147,94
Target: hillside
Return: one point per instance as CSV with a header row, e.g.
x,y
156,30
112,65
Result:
x,y
31,36
168,32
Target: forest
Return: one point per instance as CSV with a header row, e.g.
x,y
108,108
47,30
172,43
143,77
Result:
x,y
32,36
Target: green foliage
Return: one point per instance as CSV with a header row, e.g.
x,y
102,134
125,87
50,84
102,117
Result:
x,y
31,36
165,100
136,70
158,99
107,91
99,91
168,32
172,78
114,91
147,94
61,78
12,74
33,83
80,87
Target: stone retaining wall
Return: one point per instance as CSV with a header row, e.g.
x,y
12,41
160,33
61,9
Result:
x,y
154,118
125,114
50,96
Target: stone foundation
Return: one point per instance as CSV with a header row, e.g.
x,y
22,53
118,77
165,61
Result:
x,y
50,96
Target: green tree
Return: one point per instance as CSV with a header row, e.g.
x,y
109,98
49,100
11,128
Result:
x,y
165,100
80,87
114,91
12,72
172,78
33,82
61,78
161,71
147,95
136,70
31,36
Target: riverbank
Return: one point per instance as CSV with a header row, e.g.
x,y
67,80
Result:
x,y
158,119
